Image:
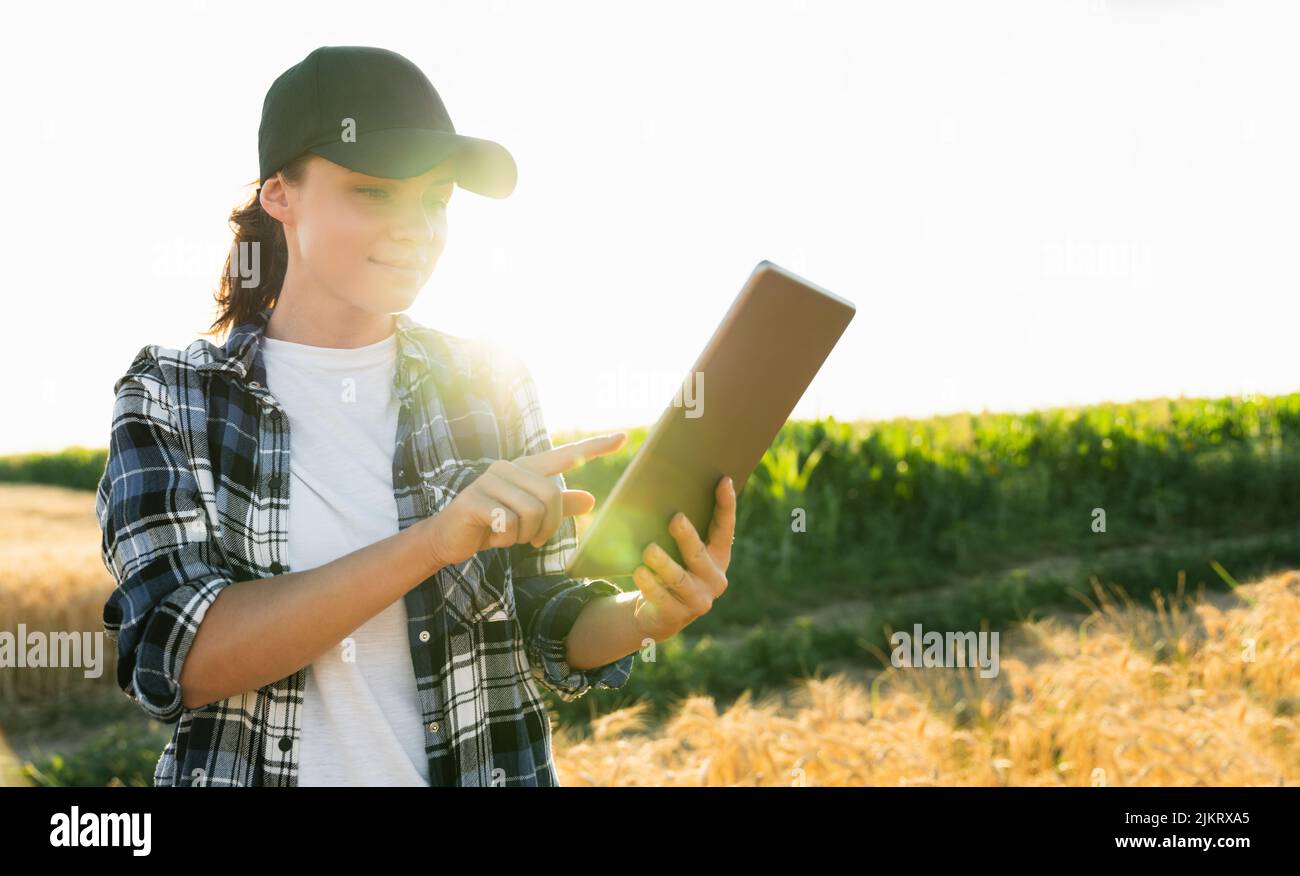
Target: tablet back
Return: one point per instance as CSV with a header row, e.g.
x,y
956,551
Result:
x,y
723,418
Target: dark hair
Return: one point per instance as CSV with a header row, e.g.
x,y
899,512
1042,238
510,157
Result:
x,y
236,302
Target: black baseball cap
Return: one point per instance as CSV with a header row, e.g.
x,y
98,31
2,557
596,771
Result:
x,y
372,111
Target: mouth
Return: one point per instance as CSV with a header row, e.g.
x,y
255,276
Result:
x,y
397,270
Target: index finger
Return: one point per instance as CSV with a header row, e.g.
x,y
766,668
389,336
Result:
x,y
568,456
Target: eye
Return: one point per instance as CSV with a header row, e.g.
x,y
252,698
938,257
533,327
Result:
x,y
368,191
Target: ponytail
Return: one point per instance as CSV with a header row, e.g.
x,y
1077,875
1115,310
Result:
x,y
238,299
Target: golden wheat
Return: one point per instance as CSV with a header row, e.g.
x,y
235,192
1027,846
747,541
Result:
x,y
52,578
1188,694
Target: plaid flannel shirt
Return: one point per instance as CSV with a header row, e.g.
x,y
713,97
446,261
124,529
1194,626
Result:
x,y
195,496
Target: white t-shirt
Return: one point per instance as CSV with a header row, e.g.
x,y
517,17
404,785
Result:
x,y
361,722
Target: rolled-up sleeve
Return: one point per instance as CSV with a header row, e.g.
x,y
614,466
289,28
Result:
x,y
548,606
547,600
156,544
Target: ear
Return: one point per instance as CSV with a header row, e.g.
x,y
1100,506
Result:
x,y
274,197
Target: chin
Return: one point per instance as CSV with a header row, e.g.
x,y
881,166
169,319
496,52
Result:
x,y
394,301
382,302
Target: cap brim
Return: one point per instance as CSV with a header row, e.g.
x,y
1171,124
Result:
x,y
480,166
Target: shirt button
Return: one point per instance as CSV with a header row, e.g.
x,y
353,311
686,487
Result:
x,y
433,728
424,635
285,743
276,569
401,472
275,482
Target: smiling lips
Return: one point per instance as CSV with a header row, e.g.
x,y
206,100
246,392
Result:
x,y
409,269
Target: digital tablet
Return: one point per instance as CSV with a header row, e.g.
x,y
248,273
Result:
x,y
721,420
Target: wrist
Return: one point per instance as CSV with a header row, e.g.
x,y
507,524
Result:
x,y
637,608
428,532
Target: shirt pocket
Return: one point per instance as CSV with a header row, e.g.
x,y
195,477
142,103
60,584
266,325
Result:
x,y
478,590
500,641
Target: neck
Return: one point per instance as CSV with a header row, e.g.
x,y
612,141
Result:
x,y
326,322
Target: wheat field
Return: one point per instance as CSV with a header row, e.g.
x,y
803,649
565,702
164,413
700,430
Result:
x,y
52,577
1191,694
1200,691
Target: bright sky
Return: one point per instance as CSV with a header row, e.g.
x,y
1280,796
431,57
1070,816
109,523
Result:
x,y
1031,203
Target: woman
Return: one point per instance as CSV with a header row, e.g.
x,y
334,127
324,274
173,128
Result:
x,y
376,601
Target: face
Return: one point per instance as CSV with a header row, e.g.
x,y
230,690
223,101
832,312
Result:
x,y
369,241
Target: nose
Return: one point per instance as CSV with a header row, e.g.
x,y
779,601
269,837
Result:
x,y
418,225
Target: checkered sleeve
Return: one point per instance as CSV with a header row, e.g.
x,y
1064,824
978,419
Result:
x,y
156,545
547,600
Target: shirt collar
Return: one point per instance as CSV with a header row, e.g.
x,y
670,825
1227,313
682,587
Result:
x,y
420,350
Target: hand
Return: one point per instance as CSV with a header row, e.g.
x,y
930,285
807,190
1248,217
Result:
x,y
513,502
671,597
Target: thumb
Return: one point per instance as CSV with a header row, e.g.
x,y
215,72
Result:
x,y
577,502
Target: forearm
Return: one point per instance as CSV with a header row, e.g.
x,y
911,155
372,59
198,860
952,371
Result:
x,y
260,631
604,631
